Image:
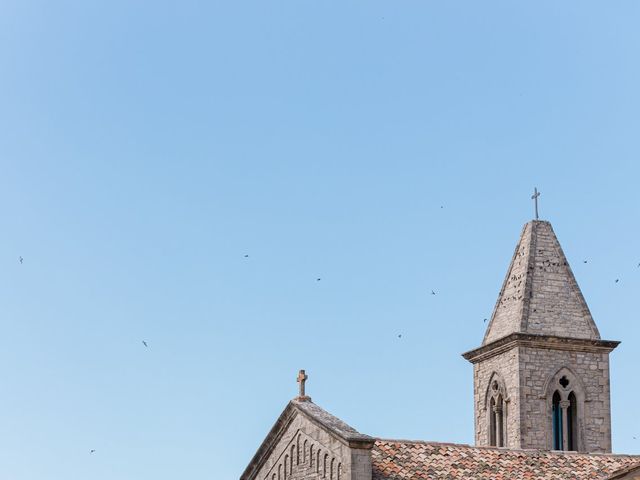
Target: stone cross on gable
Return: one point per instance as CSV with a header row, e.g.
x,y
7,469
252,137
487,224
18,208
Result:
x,y
534,197
302,378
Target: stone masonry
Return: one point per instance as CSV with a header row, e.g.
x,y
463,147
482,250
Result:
x,y
541,340
540,295
307,443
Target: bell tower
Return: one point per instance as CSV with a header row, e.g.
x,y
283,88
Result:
x,y
541,375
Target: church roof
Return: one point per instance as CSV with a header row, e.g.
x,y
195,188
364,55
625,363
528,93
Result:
x,y
331,423
540,295
404,460
318,416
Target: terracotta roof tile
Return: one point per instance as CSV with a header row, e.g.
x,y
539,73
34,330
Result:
x,y
404,460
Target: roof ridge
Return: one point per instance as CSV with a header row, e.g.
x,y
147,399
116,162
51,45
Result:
x,y
504,285
508,450
527,290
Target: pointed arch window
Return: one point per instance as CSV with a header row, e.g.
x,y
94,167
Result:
x,y
565,410
497,412
572,427
556,412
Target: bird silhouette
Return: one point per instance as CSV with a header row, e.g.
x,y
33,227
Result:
x,y
318,279
617,280
485,320
399,336
20,259
432,292
145,344
91,451
584,261
246,256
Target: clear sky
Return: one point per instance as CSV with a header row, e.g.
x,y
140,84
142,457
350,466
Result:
x,y
387,148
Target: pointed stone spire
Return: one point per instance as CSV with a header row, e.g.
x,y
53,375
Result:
x,y
540,295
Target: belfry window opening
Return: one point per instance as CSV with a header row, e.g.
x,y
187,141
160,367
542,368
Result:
x,y
564,421
497,416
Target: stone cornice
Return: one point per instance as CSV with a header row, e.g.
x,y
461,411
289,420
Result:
x,y
548,342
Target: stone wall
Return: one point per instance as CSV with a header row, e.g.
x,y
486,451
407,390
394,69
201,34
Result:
x,y
537,369
308,452
507,367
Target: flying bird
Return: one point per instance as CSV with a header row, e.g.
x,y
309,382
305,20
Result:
x,y
318,279
485,320
432,292
617,280
91,451
399,336
20,259
145,344
584,261
246,256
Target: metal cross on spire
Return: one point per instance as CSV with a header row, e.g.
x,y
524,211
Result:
x,y
534,197
302,378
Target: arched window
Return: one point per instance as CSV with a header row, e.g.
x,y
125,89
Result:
x,y
286,463
293,449
304,452
566,403
496,406
492,422
556,413
311,455
500,421
572,427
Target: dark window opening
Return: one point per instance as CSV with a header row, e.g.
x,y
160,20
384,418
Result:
x,y
572,426
492,423
557,422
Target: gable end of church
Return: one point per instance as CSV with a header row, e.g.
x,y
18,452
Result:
x,y
308,442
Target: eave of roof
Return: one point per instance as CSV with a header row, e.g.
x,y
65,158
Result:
x,y
539,341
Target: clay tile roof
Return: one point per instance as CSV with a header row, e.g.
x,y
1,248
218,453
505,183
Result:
x,y
404,460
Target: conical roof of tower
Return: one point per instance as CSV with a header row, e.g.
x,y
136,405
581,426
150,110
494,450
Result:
x,y
540,295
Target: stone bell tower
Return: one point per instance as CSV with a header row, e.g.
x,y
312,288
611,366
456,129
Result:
x,y
541,376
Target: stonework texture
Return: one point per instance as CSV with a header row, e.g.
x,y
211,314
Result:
x,y
541,340
307,448
505,367
589,375
540,294
531,376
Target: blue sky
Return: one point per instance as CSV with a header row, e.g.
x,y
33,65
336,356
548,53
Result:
x,y
388,148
